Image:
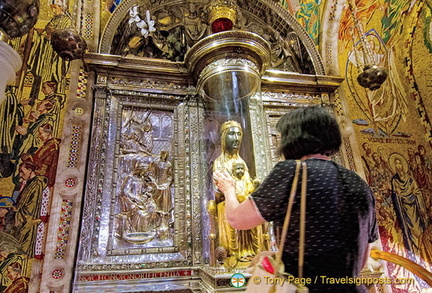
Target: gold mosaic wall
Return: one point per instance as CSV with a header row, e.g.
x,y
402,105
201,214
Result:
x,y
38,139
391,124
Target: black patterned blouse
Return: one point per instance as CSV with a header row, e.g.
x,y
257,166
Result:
x,y
340,222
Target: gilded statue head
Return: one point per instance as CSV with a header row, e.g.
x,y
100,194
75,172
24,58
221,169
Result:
x,y
238,169
231,136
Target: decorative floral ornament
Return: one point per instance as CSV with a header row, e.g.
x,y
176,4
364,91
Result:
x,y
145,27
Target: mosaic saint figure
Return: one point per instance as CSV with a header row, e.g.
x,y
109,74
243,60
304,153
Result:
x,y
367,160
308,16
28,207
6,205
12,114
46,156
380,176
10,252
20,284
408,203
420,172
49,89
28,139
44,62
243,244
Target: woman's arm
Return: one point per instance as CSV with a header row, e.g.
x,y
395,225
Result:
x,y
240,216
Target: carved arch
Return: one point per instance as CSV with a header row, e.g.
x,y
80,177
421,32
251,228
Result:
x,y
292,48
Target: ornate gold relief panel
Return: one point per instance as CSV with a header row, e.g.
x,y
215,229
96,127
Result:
x,y
140,208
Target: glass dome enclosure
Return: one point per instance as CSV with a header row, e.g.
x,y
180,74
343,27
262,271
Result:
x,y
228,65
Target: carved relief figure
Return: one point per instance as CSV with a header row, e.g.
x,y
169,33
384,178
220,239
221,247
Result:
x,y
143,216
147,138
136,140
144,209
285,52
132,144
242,244
138,210
145,201
195,26
159,38
161,168
132,186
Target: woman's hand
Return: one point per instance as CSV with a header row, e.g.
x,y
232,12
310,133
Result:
x,y
223,181
239,215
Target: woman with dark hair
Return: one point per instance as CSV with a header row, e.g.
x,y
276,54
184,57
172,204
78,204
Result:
x,y
340,208
308,131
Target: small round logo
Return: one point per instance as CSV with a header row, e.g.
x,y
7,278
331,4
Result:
x,y
238,280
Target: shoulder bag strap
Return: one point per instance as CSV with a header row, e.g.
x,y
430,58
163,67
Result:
x,y
302,219
288,214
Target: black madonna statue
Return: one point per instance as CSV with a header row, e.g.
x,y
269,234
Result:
x,y
242,244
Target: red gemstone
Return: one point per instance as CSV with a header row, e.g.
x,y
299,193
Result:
x,y
222,24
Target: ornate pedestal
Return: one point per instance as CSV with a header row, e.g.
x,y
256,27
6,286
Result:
x,y
219,279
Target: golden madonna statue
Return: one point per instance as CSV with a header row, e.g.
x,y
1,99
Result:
x,y
244,244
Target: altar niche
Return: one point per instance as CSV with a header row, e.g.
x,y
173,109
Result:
x,y
230,247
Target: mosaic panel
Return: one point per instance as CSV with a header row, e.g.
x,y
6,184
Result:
x,y
74,146
63,230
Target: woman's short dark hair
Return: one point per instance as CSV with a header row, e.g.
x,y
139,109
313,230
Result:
x,y
306,131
